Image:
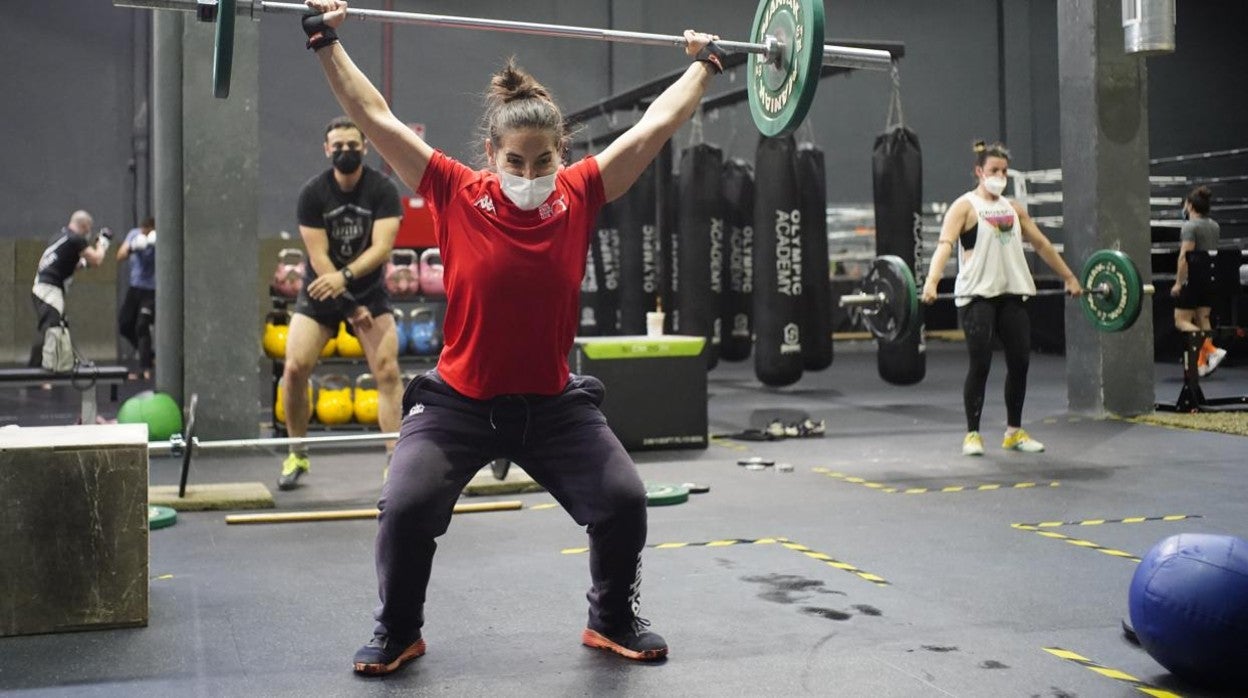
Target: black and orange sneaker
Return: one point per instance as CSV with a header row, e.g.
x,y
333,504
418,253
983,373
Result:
x,y
634,642
384,654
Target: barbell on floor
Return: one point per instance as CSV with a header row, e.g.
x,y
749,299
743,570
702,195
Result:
x,y
889,298
786,55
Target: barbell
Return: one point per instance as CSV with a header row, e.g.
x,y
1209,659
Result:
x,y
1113,295
786,53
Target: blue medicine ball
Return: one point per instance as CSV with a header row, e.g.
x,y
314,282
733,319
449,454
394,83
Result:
x,y
1189,607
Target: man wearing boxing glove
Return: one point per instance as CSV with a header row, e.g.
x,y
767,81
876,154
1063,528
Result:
x,y
70,250
348,218
138,310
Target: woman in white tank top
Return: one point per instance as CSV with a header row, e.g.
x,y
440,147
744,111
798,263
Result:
x,y
992,288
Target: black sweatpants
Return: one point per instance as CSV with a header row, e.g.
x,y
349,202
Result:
x,y
562,441
982,320
135,320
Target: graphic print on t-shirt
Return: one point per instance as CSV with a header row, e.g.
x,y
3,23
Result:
x,y
347,228
1003,222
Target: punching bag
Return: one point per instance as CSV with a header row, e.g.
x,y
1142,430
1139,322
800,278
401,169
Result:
x,y
816,284
777,263
605,252
700,229
897,167
588,325
738,274
639,253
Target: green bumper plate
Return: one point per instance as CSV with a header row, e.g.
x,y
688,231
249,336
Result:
x,y
161,517
660,494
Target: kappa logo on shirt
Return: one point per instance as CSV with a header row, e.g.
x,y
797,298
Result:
x,y
418,408
485,203
553,208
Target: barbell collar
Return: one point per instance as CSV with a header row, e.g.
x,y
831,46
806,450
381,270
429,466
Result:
x,y
862,299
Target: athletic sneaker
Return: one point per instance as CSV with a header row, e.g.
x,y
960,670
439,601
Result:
x,y
383,655
972,445
293,468
1211,362
634,642
1021,441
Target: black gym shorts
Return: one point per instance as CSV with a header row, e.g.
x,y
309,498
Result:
x,y
333,311
1199,291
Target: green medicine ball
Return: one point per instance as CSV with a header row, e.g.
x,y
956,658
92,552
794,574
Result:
x,y
158,411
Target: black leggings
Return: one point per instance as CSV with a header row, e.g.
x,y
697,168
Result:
x,y
1004,317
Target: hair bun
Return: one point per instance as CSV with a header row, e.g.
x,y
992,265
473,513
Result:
x,y
979,146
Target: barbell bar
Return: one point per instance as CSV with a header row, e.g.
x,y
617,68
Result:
x,y
786,55
176,445
889,298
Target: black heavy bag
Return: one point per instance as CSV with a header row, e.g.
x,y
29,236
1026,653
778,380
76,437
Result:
x,y
700,227
640,284
667,188
816,284
777,263
738,273
897,167
588,325
605,251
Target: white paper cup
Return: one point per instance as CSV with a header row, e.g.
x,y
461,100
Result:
x,y
654,324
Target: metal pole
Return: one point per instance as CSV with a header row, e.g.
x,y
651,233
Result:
x,y
846,56
167,198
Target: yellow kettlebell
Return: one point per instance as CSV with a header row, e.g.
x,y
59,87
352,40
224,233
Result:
x,y
330,348
366,398
276,328
333,400
279,405
348,344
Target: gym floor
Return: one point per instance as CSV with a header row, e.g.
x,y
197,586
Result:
x,y
856,574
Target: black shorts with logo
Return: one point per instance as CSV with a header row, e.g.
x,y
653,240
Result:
x,y
1199,291
335,310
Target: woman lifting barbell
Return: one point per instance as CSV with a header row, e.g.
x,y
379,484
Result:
x,y
513,238
992,287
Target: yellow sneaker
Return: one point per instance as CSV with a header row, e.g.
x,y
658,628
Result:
x,y
293,468
972,445
1020,440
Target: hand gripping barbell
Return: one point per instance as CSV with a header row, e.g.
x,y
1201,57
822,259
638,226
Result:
x,y
786,55
1112,299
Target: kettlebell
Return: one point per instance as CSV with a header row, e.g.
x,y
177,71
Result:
x,y
424,336
288,276
431,273
348,344
331,346
366,398
279,406
402,274
276,328
333,400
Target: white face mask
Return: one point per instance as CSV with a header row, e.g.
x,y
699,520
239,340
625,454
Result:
x,y
994,185
526,194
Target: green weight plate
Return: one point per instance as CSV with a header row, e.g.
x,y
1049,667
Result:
x,y
161,517
223,50
660,494
780,93
1117,310
891,277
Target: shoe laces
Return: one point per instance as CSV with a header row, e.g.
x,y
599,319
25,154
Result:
x,y
640,625
379,641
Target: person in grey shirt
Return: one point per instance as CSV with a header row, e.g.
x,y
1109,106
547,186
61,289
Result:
x,y
1194,288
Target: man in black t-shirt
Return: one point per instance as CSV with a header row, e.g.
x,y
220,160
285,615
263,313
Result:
x,y
69,250
348,217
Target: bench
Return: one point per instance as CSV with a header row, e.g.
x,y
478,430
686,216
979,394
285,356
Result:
x,y
84,378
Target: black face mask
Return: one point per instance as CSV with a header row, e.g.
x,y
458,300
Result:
x,y
347,161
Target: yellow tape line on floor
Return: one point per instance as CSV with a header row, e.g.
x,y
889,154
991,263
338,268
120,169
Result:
x,y
890,489
791,545
1111,673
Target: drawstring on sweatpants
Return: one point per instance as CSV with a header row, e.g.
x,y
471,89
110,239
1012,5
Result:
x,y
528,413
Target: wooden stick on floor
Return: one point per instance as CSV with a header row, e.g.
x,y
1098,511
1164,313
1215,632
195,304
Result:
x,y
351,514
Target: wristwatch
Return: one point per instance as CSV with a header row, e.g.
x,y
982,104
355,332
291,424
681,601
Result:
x,y
347,274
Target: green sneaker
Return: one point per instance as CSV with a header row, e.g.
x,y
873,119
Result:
x,y
293,468
1021,441
972,445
